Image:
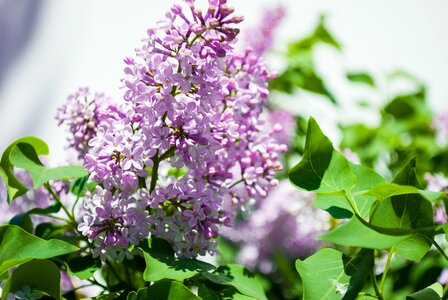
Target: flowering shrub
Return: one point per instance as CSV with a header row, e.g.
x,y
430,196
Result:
x,y
189,137
186,163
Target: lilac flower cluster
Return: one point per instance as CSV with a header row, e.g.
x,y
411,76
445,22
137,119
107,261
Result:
x,y
283,125
438,183
261,38
193,107
284,223
39,198
440,124
114,222
82,114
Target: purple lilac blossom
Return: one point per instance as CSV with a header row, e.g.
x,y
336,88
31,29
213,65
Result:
x,y
82,114
114,222
285,223
438,183
261,38
440,124
191,103
283,124
443,278
31,199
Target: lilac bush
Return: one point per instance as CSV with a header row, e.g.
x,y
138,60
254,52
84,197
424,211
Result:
x,y
192,105
194,155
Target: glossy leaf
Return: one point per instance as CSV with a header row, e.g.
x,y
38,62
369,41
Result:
x,y
163,290
14,186
355,234
161,263
18,246
24,156
407,210
238,277
338,206
386,190
432,292
311,172
24,153
329,274
40,275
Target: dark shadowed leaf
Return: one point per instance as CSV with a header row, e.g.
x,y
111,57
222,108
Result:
x,y
163,290
246,282
40,275
432,292
161,263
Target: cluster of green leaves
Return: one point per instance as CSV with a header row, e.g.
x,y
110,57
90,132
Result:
x,y
405,130
395,216
301,72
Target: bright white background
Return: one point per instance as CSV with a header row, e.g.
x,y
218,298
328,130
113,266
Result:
x,y
82,43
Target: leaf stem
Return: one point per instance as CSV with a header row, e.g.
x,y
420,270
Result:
x,y
197,36
440,249
58,200
155,168
375,285
154,172
386,268
445,292
368,295
59,218
235,183
95,282
351,202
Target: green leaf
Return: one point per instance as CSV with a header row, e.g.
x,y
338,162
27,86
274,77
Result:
x,y
14,186
339,207
83,267
407,209
329,274
432,292
358,268
361,77
24,153
111,296
48,231
207,294
238,277
18,246
388,189
229,293
77,187
24,221
163,290
321,169
161,263
39,275
355,234
24,156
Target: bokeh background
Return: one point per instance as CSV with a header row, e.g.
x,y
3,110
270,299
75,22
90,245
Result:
x,y
50,48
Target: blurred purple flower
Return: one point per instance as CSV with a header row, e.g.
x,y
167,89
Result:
x,y
285,223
